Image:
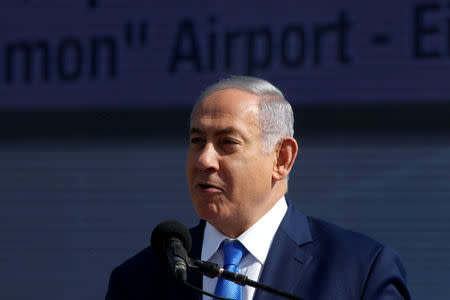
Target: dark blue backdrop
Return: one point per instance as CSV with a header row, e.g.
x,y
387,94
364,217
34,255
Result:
x,y
94,105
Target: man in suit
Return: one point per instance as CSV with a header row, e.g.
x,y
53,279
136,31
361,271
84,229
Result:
x,y
240,154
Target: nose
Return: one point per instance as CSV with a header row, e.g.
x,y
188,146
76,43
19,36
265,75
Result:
x,y
207,159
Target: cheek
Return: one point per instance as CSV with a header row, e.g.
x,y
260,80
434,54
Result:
x,y
241,177
259,174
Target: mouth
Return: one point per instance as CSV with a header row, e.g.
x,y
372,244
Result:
x,y
209,188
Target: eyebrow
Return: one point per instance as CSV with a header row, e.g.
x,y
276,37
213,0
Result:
x,y
227,130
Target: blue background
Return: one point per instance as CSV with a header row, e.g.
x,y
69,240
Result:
x,y
88,166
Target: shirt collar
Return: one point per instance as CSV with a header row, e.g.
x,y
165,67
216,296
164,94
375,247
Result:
x,y
257,239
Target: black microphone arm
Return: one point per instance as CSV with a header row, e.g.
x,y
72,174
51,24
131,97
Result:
x,y
213,270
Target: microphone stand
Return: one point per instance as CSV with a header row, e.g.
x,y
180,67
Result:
x,y
213,270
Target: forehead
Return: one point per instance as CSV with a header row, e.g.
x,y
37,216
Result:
x,y
227,107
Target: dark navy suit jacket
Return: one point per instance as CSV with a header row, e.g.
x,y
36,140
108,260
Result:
x,y
308,257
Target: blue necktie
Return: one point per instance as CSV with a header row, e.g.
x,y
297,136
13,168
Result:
x,y
233,251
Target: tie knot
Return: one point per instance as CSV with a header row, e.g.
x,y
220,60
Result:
x,y
233,251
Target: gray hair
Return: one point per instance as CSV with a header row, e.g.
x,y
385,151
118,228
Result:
x,y
276,118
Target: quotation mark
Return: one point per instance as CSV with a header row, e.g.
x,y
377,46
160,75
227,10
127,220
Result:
x,y
135,34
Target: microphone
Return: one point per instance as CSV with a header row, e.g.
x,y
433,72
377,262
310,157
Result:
x,y
170,241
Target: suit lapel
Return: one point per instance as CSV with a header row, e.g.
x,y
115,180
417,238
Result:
x,y
287,259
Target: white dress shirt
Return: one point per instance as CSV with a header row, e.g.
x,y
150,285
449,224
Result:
x,y
257,239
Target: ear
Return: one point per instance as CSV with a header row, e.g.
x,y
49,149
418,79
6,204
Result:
x,y
286,152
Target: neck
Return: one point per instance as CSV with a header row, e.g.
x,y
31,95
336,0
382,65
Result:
x,y
236,227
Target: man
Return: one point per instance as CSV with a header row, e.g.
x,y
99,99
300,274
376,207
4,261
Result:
x,y
240,154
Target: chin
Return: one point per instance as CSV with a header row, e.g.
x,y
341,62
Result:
x,y
208,211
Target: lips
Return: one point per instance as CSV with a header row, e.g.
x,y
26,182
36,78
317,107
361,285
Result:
x,y
208,187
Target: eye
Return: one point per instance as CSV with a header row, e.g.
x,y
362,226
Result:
x,y
229,142
196,140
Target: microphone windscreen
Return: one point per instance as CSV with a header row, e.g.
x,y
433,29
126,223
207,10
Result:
x,y
166,230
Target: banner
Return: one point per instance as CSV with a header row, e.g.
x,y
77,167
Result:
x,y
142,54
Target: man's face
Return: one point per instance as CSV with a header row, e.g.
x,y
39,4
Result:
x,y
229,176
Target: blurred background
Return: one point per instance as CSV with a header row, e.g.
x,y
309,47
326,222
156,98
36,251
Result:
x,y
95,99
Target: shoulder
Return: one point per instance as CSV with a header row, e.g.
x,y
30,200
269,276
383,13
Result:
x,y
146,259
329,233
357,258
336,242
141,261
139,270
324,236
135,278
145,274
